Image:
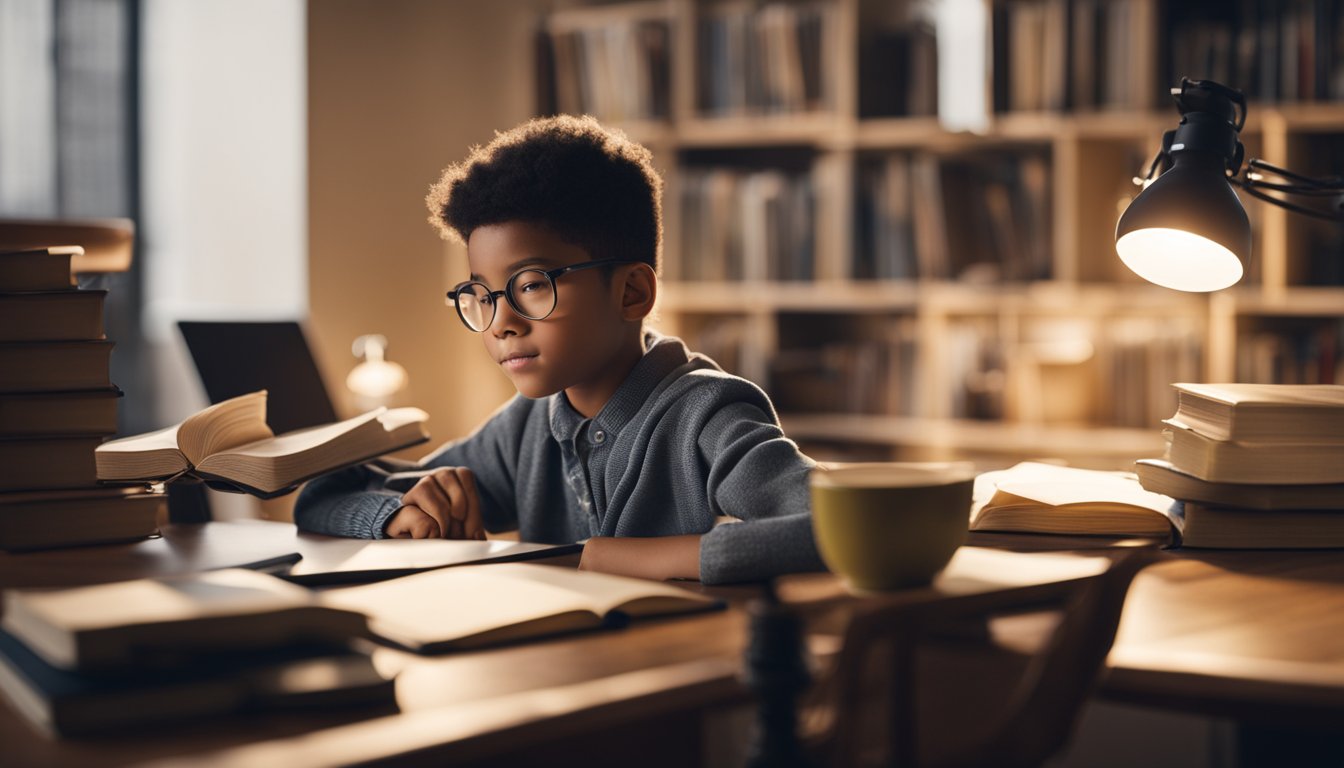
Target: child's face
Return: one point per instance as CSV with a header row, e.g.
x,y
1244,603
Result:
x,y
576,344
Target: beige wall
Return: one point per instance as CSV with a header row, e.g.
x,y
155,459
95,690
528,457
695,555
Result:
x,y
398,89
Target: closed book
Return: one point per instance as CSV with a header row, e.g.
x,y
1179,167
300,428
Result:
x,y
48,463
479,605
51,315
1222,461
1214,527
37,269
69,704
55,366
1044,498
86,412
230,444
1161,476
1263,413
165,622
105,244
35,520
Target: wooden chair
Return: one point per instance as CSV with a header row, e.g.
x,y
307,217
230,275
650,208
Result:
x,y
926,686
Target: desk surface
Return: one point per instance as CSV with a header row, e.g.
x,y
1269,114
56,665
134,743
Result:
x,y
1253,635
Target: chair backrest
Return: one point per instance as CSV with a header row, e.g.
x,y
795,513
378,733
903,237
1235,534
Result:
x,y
1035,714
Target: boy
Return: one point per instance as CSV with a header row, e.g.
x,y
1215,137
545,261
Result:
x,y
617,433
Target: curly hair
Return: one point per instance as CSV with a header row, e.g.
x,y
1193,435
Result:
x,y
591,186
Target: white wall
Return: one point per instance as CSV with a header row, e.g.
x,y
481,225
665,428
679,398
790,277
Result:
x,y
224,232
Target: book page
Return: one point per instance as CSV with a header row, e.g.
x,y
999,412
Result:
x,y
1049,485
149,456
279,462
457,604
604,592
234,422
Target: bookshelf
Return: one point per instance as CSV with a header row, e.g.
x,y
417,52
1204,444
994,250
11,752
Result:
x,y
907,291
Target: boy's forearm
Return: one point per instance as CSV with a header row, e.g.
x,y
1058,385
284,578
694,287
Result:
x,y
661,557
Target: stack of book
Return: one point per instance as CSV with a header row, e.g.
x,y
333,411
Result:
x,y
1256,465
89,660
57,404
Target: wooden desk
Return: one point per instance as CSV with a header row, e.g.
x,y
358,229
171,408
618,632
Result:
x,y
1253,635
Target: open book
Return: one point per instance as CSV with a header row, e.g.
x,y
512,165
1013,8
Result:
x,y
479,605
1045,498
229,444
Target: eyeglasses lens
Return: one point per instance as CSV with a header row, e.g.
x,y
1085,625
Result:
x,y
533,294
476,306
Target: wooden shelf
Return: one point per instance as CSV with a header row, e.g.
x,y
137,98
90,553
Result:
x,y
1291,302
942,334
966,438
821,129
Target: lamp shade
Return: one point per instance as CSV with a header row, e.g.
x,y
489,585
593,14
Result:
x,y
1188,229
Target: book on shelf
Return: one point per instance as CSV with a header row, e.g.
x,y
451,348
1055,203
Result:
x,y
1205,526
616,68
35,520
1161,476
54,366
1307,355
485,605
1263,413
87,412
761,60
71,704
229,444
37,269
48,463
746,225
169,622
1033,497
51,315
1222,461
909,48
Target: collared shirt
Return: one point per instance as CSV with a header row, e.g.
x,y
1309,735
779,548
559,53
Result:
x,y
679,445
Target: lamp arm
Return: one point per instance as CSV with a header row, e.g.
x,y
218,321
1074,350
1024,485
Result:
x,y
1254,184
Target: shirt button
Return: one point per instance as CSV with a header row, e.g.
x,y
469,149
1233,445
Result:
x,y
599,437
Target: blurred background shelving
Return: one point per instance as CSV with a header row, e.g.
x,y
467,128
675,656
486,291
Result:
x,y
904,287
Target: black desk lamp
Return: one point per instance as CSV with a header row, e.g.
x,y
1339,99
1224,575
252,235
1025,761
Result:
x,y
1187,230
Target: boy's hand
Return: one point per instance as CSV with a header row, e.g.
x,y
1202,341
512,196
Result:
x,y
443,504
660,557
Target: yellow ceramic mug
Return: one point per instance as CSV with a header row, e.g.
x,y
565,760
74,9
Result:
x,y
890,525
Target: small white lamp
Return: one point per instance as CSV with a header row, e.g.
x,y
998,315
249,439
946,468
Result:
x,y
375,379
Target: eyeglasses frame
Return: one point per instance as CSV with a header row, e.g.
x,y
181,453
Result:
x,y
507,290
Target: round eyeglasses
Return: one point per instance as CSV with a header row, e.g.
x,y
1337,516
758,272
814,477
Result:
x,y
530,292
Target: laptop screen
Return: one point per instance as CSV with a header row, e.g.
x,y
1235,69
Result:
x,y
234,358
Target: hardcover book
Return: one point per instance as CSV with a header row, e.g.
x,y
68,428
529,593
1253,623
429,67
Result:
x,y
51,315
87,412
1263,413
1222,461
37,269
67,703
162,623
229,445
1161,476
1213,527
65,518
54,366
